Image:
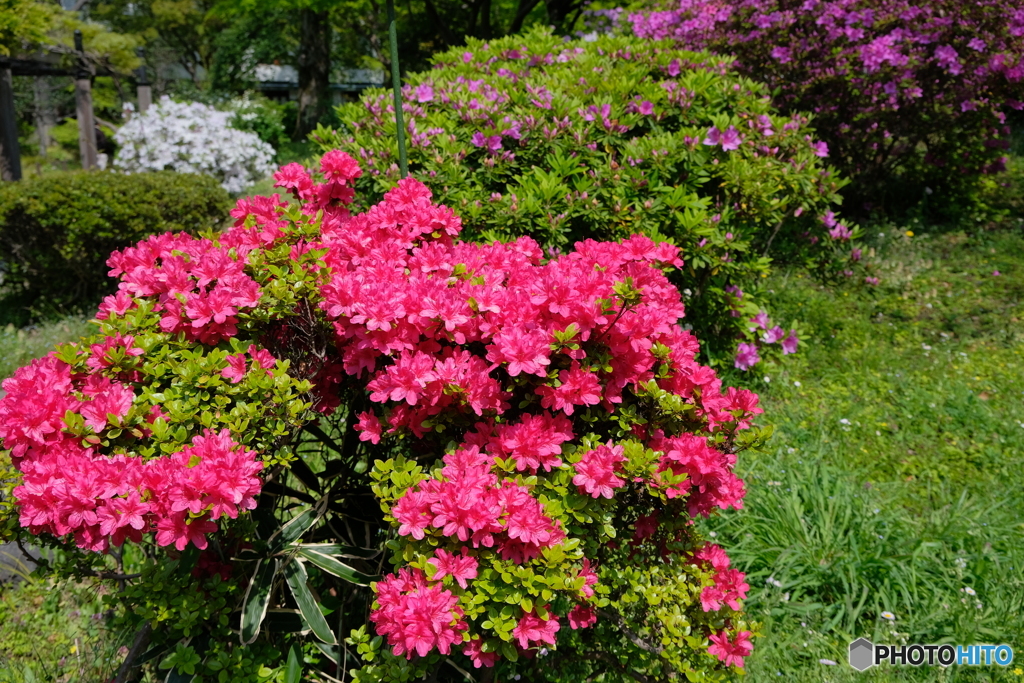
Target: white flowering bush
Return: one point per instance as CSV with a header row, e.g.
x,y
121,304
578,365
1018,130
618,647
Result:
x,y
191,137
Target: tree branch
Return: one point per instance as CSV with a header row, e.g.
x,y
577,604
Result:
x,y
633,638
446,34
141,640
525,7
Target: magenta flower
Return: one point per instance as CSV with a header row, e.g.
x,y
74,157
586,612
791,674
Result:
x,y
491,143
790,343
760,320
714,137
773,335
424,93
582,616
731,139
595,473
840,232
235,370
746,356
948,58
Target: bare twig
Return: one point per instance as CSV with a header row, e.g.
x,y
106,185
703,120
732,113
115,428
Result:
x,y
633,638
105,124
774,233
114,576
460,670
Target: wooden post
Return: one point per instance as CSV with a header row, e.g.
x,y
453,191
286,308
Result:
x,y
83,108
143,88
10,153
44,114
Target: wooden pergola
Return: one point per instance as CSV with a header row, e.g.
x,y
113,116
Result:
x,y
10,152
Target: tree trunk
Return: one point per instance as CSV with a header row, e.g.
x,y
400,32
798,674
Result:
x,y
559,11
10,154
314,66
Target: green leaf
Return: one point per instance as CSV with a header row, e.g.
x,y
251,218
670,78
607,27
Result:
x,y
295,575
293,671
176,676
333,566
293,530
257,599
337,550
332,652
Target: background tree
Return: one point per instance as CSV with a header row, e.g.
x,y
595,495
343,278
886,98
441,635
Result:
x,y
22,21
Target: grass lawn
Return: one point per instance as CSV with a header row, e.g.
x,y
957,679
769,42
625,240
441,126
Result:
x,y
888,504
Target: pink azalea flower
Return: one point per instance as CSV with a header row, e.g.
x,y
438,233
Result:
x,y
474,650
461,568
579,388
732,653
532,629
582,616
236,369
369,427
424,93
595,473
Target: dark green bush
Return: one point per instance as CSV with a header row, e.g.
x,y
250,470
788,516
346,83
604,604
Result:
x,y
57,232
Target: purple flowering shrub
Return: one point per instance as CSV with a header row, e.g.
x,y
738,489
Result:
x,y
910,96
561,141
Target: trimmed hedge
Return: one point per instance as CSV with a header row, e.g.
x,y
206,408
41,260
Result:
x,y
57,232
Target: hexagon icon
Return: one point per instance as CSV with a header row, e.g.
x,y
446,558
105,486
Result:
x,y
862,654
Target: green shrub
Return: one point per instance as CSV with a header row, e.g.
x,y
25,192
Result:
x,y
264,117
57,232
562,141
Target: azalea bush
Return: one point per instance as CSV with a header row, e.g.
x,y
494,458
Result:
x,y
57,231
911,97
191,137
318,415
569,140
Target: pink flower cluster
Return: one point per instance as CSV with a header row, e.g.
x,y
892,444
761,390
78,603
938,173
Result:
x,y
513,356
729,588
199,286
455,334
68,488
416,615
747,354
470,504
709,482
